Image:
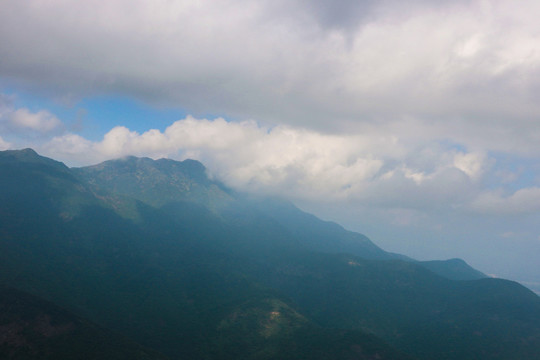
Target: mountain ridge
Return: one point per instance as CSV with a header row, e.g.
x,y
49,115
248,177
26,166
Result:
x,y
316,234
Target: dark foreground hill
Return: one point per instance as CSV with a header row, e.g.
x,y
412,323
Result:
x,y
31,328
160,253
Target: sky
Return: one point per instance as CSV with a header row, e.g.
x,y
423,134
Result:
x,y
416,123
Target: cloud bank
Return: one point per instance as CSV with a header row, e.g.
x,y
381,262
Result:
x,y
523,201
25,123
379,171
462,70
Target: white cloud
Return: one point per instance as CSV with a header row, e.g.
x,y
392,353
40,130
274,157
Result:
x,y
22,121
297,163
41,121
471,164
72,147
243,154
526,200
4,145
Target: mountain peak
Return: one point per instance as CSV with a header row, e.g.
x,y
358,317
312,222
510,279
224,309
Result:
x,y
194,165
29,155
155,182
133,162
455,269
28,151
23,154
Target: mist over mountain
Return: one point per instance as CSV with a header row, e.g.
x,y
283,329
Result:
x,y
158,252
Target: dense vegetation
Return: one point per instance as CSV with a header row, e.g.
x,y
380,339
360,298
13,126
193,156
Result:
x,y
158,252
31,328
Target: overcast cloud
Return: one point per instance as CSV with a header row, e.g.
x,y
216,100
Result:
x,y
411,108
454,67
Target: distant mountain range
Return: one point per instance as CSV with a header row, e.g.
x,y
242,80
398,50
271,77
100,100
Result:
x,y
155,251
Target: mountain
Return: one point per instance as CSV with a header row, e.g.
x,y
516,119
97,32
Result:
x,y
155,182
31,328
36,182
167,280
161,182
165,182
318,235
412,308
156,251
454,269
